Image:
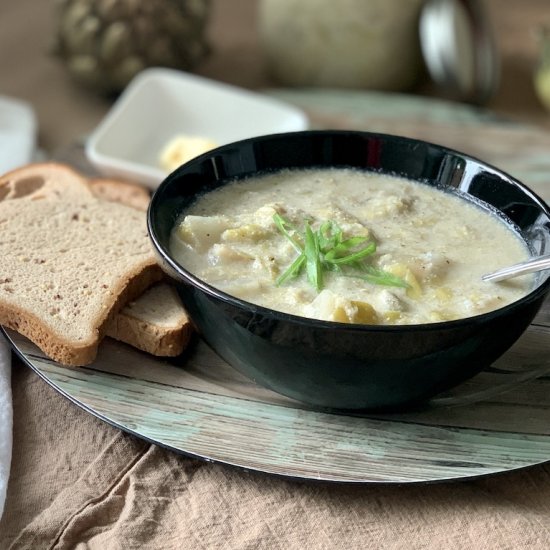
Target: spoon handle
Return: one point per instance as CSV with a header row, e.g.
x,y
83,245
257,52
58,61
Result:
x,y
529,266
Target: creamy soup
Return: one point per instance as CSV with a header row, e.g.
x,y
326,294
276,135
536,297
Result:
x,y
350,246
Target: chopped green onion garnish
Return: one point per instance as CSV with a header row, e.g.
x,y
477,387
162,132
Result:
x,y
380,277
326,250
293,270
282,225
350,258
313,258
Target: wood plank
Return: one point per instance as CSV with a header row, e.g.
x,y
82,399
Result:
x,y
201,406
295,442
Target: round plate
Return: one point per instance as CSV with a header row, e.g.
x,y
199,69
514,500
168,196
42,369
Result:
x,y
200,406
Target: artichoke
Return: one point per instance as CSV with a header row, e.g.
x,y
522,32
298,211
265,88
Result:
x,y
105,43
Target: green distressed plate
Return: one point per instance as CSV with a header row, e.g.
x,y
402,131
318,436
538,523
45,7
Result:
x,y
198,405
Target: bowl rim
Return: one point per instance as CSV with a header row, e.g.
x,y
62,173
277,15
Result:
x,y
256,309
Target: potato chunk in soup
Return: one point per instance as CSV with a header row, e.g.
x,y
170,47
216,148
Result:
x,y
429,247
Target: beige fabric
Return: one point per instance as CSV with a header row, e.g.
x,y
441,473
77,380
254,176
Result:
x,y
92,487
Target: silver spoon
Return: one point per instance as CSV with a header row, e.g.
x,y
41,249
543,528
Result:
x,y
529,266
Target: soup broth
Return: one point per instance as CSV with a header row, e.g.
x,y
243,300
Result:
x,y
350,246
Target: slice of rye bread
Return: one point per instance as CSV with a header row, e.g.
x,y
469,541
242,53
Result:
x,y
70,261
156,321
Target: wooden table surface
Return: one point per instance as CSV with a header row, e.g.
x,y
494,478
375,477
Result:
x,y
65,110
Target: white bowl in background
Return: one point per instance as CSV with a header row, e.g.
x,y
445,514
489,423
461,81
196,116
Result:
x,y
160,104
18,128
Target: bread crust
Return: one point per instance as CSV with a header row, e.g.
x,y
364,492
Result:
x,y
131,194
40,179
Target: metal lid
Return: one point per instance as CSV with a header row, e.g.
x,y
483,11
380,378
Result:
x,y
458,48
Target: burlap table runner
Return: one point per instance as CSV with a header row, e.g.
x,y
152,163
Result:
x,y
95,487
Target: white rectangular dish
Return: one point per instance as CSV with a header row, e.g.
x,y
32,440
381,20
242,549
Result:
x,y
160,104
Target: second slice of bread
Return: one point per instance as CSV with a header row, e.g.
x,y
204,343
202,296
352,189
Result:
x,y
156,321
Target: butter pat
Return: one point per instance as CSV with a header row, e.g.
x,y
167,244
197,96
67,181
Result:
x,y
182,148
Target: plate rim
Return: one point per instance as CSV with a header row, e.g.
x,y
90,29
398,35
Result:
x,y
247,468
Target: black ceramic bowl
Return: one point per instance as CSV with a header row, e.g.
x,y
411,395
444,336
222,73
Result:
x,y
340,365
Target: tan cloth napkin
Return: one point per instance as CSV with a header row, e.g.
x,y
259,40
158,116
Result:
x,y
136,495
92,487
